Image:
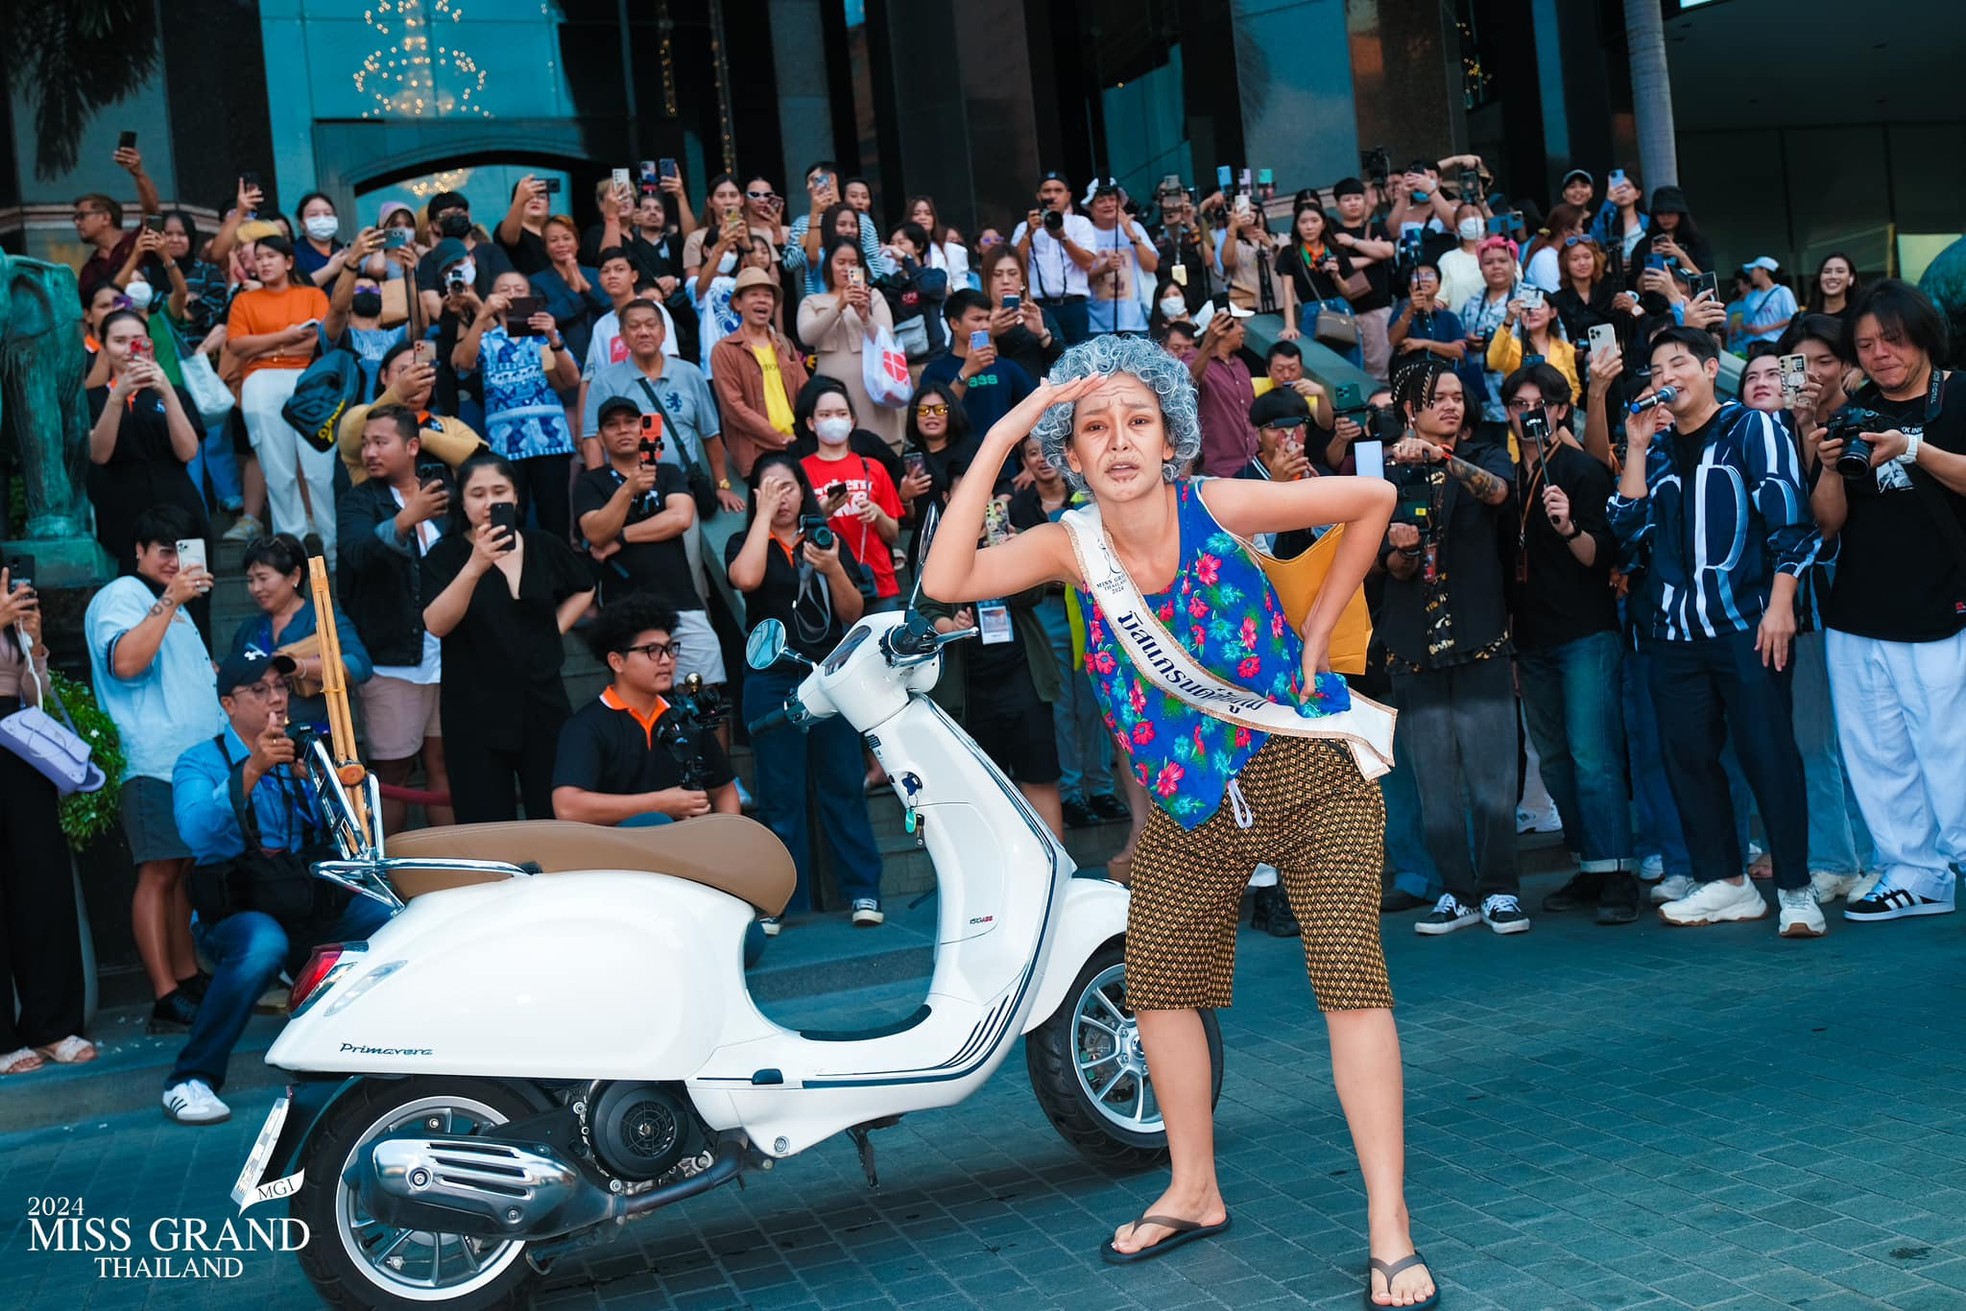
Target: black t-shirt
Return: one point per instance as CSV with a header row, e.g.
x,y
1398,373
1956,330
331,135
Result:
x,y
142,471
1379,273
605,748
1558,599
1899,577
504,655
652,259
1310,281
528,253
1474,620
795,594
659,569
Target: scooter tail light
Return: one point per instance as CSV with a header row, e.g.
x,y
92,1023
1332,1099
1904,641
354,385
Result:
x,y
315,973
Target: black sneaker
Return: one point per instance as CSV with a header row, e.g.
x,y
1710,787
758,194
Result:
x,y
173,1013
1619,902
1273,915
1885,902
1447,916
1079,815
1110,808
1504,914
1580,893
194,987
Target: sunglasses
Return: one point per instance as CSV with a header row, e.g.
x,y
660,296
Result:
x,y
1579,240
656,650
762,195
932,411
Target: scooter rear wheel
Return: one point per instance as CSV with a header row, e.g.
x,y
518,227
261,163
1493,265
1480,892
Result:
x,y
353,1259
1090,1073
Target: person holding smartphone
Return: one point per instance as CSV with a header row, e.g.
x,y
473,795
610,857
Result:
x,y
841,325
500,600
142,440
521,366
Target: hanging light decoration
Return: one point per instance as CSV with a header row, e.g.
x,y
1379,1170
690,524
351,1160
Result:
x,y
415,74
450,179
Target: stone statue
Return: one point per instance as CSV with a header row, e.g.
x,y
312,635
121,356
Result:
x,y
43,417
1945,283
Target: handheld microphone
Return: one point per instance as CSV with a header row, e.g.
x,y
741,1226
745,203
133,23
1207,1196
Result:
x,y
1663,396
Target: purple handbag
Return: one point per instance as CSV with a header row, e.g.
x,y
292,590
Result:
x,y
52,747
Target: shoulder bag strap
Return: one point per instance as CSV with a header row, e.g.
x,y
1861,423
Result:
x,y
1367,728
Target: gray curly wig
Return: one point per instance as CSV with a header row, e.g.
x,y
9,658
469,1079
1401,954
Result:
x,y
1164,375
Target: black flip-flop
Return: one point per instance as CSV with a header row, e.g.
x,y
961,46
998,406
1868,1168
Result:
x,y
1392,1268
1185,1231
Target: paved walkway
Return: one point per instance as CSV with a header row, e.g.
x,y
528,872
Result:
x,y
1599,1118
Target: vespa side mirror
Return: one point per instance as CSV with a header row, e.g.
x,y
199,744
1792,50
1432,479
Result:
x,y
765,645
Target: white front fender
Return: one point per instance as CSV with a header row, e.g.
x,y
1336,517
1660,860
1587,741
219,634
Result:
x,y
1093,915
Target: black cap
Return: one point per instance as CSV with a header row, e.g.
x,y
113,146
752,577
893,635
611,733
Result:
x,y
244,668
1573,175
1668,200
1278,406
614,405
444,200
1421,166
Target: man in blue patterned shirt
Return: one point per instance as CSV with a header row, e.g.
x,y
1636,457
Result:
x,y
1711,500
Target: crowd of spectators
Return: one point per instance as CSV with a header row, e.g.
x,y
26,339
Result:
x,y
1724,635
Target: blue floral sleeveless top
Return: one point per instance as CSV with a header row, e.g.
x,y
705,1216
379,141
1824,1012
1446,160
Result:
x,y
523,416
1222,610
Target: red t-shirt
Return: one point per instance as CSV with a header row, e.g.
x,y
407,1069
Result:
x,y
865,481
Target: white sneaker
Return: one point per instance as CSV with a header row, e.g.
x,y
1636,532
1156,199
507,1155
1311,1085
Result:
x,y
1716,903
1828,887
1672,889
244,529
1538,821
771,924
1864,886
1886,902
193,1102
1652,868
1801,916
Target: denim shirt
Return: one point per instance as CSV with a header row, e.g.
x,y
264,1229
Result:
x,y
201,798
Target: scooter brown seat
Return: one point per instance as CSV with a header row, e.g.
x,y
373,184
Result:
x,y
727,852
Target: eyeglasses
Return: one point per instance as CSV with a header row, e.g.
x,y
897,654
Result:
x,y
81,214
1579,240
1524,404
656,650
932,411
259,691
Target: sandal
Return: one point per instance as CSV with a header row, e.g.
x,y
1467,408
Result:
x,y
24,1061
1185,1231
71,1050
1390,1269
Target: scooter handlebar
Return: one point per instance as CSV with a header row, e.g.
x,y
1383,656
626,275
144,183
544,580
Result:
x,y
775,719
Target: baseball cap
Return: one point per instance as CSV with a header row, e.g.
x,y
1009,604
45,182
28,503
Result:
x,y
1764,262
447,252
444,200
1573,175
244,668
614,405
1278,406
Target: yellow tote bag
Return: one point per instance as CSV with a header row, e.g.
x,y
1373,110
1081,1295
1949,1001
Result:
x,y
1298,581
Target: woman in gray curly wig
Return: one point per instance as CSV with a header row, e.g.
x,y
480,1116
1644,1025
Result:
x,y
1181,622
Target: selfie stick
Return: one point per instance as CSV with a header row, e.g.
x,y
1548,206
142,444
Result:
x,y
334,687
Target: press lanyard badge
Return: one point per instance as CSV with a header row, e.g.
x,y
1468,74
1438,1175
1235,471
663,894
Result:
x,y
993,618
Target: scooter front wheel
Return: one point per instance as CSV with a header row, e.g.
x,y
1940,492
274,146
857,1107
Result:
x,y
1090,1073
354,1259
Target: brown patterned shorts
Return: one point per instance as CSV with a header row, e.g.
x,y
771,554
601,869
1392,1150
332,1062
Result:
x,y
1322,825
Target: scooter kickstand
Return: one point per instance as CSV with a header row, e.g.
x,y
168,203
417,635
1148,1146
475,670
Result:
x,y
865,1145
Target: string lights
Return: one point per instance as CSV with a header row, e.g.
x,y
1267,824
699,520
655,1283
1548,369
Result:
x,y
408,77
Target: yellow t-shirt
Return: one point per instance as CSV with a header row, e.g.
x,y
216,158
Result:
x,y
778,406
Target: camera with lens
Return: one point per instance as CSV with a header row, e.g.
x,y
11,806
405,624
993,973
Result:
x,y
813,526
1415,501
1377,165
695,710
1054,222
454,283
1853,425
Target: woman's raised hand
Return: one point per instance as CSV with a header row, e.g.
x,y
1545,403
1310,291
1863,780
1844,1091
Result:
x,y
1024,416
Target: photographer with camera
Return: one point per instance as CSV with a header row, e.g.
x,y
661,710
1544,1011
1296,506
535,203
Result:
x,y
1060,247
1893,492
1569,645
637,755
1445,623
249,817
1712,497
791,567
1182,242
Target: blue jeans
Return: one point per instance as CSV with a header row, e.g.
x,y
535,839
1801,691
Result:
x,y
1570,698
1414,872
1307,324
1839,840
1084,750
216,460
247,952
828,754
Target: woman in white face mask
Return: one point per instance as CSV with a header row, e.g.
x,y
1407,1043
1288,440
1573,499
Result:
x,y
840,324
318,255
1460,270
856,492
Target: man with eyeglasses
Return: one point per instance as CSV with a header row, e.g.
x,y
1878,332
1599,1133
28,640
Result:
x,y
623,759
247,815
98,223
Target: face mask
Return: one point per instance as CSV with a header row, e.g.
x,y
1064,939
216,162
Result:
x,y
322,227
367,304
1173,307
727,263
466,270
1470,229
833,431
454,224
139,294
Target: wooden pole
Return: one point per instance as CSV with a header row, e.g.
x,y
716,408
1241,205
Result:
x,y
334,688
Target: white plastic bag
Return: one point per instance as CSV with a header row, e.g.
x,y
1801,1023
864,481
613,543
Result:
x,y
884,370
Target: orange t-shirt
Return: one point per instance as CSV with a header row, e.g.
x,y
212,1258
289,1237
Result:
x,y
257,312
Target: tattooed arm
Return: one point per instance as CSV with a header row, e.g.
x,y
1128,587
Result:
x,y
1486,487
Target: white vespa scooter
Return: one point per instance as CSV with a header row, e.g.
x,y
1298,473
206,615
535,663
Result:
x,y
554,1036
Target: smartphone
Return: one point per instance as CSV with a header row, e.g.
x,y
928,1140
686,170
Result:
x,y
424,351
652,431
552,186
1013,302
20,569
396,238
1617,178
1655,261
1470,184
142,348
914,463
668,168
1708,282
1795,372
1242,205
521,309
1498,225
1603,337
1346,398
835,491
1225,177
1532,298
504,514
127,141
249,180
155,222
191,551
979,340
856,277
647,170
622,180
